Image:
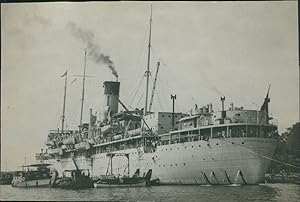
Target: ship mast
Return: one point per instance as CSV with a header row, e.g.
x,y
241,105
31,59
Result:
x,y
147,73
83,82
64,105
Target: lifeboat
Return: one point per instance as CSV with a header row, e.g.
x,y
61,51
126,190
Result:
x,y
55,151
69,141
82,146
117,137
134,132
106,129
50,143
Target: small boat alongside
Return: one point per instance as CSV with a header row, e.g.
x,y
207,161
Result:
x,y
124,181
6,179
73,179
111,180
36,175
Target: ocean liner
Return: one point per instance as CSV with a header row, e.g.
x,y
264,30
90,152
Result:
x,y
231,146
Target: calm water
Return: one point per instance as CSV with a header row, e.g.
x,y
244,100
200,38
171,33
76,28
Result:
x,y
264,192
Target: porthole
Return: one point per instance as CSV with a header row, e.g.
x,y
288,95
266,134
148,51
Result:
x,y
217,144
232,143
242,142
199,145
184,164
192,146
175,164
203,159
207,144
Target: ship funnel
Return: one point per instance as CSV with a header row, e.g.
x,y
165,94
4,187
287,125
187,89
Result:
x,y
210,108
111,92
223,110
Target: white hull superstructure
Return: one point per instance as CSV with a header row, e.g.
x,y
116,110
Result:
x,y
226,147
216,161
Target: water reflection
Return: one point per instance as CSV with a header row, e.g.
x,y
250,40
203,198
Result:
x,y
265,192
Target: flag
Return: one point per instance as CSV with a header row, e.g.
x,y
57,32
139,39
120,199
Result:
x,y
65,74
265,106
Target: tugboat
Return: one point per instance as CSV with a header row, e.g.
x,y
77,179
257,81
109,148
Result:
x,y
6,179
73,179
36,175
111,180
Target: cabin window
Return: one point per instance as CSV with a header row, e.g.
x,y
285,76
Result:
x,y
252,131
194,135
205,134
268,132
195,123
165,142
237,131
219,132
195,132
184,136
174,138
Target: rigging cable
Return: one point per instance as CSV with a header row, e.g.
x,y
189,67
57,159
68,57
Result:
x,y
137,89
140,99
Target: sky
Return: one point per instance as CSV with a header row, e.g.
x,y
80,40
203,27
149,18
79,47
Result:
x,y
206,50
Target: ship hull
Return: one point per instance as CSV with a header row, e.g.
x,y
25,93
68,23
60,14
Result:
x,y
211,162
42,183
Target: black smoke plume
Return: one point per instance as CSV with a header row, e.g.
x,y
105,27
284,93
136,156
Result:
x,y
93,50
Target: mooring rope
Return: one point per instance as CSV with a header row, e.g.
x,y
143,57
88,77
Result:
x,y
251,151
